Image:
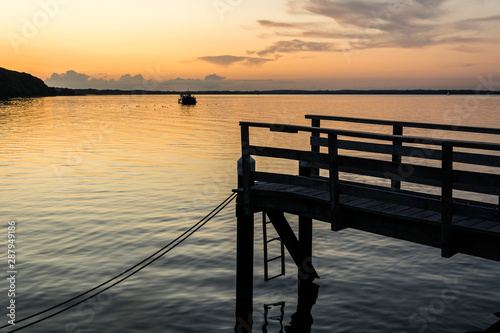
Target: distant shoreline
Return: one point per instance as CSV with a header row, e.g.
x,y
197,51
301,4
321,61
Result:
x,y
84,92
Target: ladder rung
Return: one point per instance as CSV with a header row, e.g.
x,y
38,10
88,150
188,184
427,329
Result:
x,y
273,239
275,258
274,277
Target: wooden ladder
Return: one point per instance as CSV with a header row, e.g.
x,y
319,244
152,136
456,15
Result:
x,y
266,253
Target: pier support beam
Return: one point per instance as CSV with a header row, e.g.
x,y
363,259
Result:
x,y
244,270
305,224
306,270
305,240
244,242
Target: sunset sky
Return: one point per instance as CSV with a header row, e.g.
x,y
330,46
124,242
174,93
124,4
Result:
x,y
252,44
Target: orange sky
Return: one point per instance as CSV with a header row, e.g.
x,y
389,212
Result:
x,y
306,44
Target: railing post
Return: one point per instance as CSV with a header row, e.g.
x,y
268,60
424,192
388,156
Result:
x,y
245,168
447,249
334,181
396,157
315,148
244,239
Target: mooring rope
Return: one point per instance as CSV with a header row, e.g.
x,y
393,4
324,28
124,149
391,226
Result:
x,y
152,258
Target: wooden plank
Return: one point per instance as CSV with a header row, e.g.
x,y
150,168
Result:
x,y
473,129
369,204
375,136
478,182
495,229
269,186
425,214
469,222
382,208
396,210
355,145
290,154
477,159
410,151
434,218
359,201
310,191
485,225
410,212
321,195
345,199
291,180
477,209
379,206
457,219
383,169
381,193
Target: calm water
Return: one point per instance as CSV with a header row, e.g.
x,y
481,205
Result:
x,y
96,184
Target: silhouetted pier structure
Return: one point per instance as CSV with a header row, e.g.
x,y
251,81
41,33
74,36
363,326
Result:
x,y
439,192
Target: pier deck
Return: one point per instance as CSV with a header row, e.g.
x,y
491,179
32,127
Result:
x,y
430,189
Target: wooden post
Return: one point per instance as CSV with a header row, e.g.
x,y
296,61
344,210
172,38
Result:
x,y
305,240
305,224
315,148
396,157
244,269
334,182
245,168
447,249
244,239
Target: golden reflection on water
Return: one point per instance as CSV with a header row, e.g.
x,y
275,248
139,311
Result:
x,y
98,181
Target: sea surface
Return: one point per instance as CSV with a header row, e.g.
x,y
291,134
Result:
x,y
98,183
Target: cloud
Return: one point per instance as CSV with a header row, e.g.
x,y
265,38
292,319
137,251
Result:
x,y
477,23
70,75
362,24
227,60
292,25
214,77
295,45
74,80
466,49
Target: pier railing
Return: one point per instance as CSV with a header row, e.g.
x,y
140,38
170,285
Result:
x,y
397,150
338,159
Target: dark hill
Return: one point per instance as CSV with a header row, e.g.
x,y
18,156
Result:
x,y
16,84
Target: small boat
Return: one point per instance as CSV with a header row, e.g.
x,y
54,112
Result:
x,y
187,99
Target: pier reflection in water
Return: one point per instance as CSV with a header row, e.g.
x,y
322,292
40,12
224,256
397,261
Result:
x,y
301,320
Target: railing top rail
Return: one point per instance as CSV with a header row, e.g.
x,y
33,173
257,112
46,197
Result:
x,y
375,136
473,129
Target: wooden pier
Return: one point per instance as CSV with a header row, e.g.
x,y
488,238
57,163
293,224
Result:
x,y
438,192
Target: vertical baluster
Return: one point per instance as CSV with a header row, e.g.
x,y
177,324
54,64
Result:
x,y
334,181
315,148
396,156
245,167
447,249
